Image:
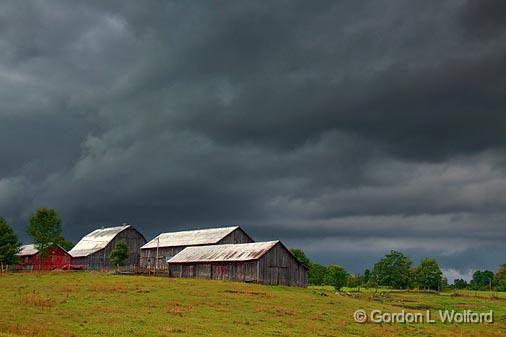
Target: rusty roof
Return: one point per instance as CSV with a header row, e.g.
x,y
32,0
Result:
x,y
190,238
96,240
221,253
27,250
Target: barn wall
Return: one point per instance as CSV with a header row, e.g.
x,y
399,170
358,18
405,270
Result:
x,y
100,259
57,258
231,271
279,266
148,256
237,236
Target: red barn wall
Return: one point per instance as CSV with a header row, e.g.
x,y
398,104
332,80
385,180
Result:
x,y
57,258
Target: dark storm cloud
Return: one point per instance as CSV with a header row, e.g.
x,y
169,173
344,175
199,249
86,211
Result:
x,y
484,19
372,125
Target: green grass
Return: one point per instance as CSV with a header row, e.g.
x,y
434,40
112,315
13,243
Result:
x,y
94,304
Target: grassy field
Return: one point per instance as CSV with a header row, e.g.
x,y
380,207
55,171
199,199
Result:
x,y
93,304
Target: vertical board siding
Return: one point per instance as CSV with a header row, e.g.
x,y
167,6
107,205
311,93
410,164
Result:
x,y
277,266
148,255
237,236
100,259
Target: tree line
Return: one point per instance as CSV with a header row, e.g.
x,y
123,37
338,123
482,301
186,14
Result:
x,y
395,270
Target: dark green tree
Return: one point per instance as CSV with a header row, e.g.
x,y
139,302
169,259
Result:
x,y
355,281
500,278
301,256
119,254
482,280
9,245
428,275
444,284
394,270
316,274
335,276
459,283
45,229
367,275
65,244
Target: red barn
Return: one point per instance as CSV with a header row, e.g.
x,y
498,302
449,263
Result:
x,y
57,258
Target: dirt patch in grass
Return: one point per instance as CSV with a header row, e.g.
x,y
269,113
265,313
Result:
x,y
251,293
413,306
38,300
115,287
28,330
178,309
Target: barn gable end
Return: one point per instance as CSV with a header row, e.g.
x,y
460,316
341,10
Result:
x,y
29,259
170,244
94,249
262,262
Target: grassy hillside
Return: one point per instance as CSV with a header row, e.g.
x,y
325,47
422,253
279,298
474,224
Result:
x,y
92,304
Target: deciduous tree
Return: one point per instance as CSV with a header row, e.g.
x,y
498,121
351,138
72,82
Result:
x,y
482,280
301,256
428,275
45,229
119,254
500,278
393,270
9,245
335,276
459,283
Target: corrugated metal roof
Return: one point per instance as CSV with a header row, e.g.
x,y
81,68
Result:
x,y
96,240
190,238
27,250
218,253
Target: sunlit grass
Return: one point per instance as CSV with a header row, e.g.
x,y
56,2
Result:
x,y
94,304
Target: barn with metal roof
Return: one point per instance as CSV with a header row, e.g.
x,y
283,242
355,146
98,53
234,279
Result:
x,y
166,245
261,262
94,249
30,260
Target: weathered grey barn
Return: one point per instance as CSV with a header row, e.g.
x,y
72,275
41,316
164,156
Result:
x,y
262,262
166,245
94,249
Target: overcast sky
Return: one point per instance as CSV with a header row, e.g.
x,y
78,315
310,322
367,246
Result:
x,y
346,128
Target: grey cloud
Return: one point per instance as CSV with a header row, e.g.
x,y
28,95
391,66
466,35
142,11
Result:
x,y
376,123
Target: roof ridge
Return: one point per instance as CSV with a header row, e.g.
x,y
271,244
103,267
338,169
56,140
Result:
x,y
199,229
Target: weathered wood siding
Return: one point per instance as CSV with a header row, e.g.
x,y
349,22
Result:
x,y
237,236
100,259
148,256
232,271
278,266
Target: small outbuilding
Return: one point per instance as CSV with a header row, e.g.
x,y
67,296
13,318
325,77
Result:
x,y
30,259
261,262
166,245
94,249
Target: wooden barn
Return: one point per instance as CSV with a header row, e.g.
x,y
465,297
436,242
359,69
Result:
x,y
30,260
94,249
166,245
261,262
